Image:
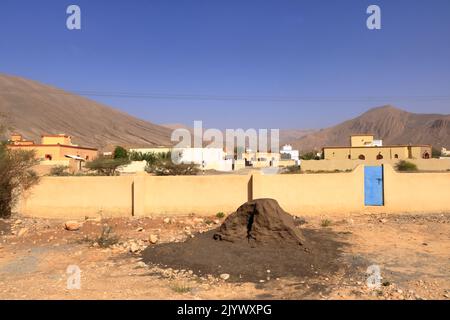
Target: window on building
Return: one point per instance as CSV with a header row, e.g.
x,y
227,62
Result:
x,y
48,157
379,156
349,156
426,155
362,157
396,156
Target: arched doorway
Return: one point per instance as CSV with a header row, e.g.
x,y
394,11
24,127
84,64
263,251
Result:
x,y
426,155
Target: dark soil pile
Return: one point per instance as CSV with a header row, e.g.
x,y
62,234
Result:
x,y
257,242
261,222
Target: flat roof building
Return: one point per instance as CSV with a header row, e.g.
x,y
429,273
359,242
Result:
x,y
365,147
53,147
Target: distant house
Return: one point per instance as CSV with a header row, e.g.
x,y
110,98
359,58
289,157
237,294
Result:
x,y
365,147
445,152
53,148
287,152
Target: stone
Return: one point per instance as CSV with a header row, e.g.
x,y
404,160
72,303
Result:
x,y
153,238
166,220
134,247
198,220
22,232
225,276
72,225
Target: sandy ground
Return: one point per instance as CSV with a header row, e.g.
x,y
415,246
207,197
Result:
x,y
412,253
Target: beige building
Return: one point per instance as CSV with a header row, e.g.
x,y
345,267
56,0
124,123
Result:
x,y
365,147
53,148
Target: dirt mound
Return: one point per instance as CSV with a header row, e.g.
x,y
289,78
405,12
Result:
x,y
258,242
261,222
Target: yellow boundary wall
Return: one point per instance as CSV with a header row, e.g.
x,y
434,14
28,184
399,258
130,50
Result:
x,y
300,194
346,164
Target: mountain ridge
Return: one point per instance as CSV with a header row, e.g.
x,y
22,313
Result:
x,y
32,109
389,123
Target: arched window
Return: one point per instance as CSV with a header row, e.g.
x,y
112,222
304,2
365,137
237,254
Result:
x,y
396,156
379,156
48,157
349,157
361,157
426,155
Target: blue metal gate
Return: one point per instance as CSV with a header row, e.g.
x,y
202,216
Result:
x,y
373,186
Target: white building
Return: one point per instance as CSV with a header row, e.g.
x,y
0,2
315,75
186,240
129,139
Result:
x,y
287,150
206,158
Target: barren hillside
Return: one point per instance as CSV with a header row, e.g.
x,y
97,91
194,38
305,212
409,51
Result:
x,y
32,109
391,124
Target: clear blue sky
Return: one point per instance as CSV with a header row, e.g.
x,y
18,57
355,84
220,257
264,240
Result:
x,y
319,49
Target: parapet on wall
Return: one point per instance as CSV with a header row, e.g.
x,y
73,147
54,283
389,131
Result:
x,y
301,194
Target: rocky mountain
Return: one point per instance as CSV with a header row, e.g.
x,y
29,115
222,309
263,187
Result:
x,y
392,125
32,109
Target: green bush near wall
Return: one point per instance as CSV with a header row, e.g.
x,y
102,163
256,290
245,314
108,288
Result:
x,y
406,166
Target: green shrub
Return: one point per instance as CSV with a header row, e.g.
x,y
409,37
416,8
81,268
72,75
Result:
x,y
16,175
404,165
104,166
107,238
220,215
291,170
180,288
120,153
326,223
164,166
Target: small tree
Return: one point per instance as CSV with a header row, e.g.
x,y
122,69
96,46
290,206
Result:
x,y
16,176
404,165
164,166
106,166
149,157
436,153
120,153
